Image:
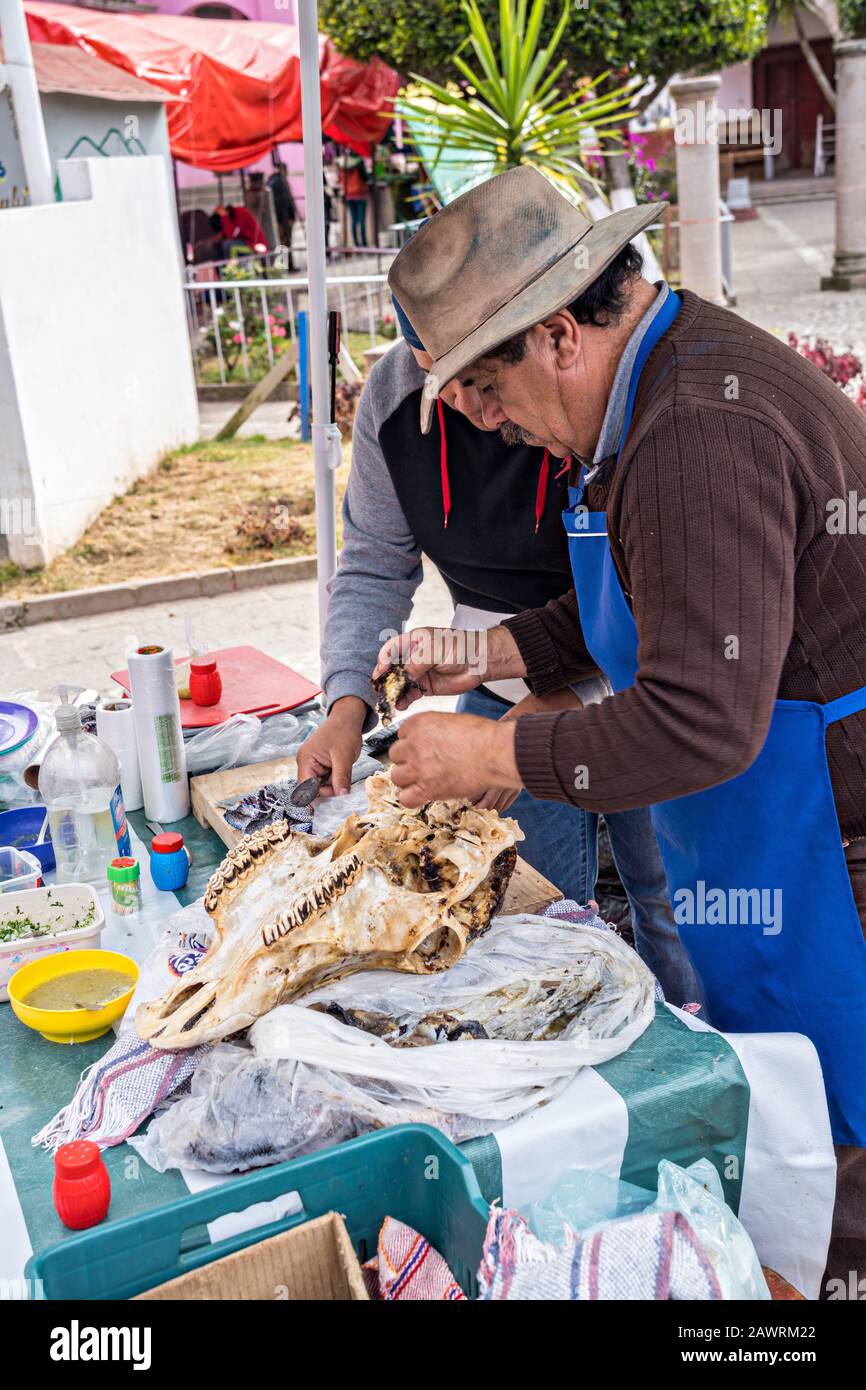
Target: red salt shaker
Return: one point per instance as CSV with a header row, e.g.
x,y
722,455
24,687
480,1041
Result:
x,y
205,683
82,1187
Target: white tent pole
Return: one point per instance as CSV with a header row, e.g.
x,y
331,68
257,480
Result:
x,y
326,439
18,66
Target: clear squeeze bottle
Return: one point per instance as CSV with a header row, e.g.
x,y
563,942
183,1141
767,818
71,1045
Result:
x,y
79,781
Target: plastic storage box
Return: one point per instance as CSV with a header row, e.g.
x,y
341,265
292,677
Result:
x,y
19,870
410,1172
57,909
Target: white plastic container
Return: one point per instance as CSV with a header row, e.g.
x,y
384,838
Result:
x,y
58,909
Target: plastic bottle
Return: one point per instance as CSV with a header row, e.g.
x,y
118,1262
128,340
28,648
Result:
x,y
79,782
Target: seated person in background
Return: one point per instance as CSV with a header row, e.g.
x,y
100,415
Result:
x,y
240,229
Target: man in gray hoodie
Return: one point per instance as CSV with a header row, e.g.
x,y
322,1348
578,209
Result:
x,y
489,515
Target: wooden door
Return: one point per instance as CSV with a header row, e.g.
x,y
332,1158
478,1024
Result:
x,y
783,82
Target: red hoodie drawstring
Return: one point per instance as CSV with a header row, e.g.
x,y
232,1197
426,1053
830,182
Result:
x,y
543,476
541,494
541,490
443,462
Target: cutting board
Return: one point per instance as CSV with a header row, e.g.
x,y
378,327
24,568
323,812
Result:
x,y
528,891
253,683
209,789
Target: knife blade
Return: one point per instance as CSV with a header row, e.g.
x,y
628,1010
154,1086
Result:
x,y
305,793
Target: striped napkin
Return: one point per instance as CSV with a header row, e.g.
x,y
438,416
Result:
x,y
118,1092
406,1268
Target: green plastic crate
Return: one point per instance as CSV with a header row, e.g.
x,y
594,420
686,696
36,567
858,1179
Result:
x,y
410,1172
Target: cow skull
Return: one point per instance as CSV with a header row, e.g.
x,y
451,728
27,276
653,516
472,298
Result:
x,y
392,888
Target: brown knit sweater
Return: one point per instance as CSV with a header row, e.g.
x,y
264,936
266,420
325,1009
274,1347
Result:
x,y
718,524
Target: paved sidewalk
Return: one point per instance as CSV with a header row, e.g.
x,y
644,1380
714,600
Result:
x,y
271,419
779,258
281,619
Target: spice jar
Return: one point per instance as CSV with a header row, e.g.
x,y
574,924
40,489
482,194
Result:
x,y
124,880
205,682
169,860
82,1187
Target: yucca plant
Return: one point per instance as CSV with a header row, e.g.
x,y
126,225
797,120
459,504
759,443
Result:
x,y
510,111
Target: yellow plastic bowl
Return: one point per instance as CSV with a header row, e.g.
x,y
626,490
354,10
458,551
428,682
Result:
x,y
70,1025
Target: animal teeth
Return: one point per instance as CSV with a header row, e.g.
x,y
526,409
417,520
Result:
x,y
319,896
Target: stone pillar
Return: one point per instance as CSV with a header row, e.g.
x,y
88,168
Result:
x,y
698,185
849,262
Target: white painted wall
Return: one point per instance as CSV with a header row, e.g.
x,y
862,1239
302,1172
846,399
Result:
x,y
71,119
735,93
96,379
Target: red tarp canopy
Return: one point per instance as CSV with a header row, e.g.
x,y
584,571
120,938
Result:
x,y
242,79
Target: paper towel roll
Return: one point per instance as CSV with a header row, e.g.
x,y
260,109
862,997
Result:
x,y
115,725
161,754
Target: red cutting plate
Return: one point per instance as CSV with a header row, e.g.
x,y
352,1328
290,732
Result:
x,y
253,683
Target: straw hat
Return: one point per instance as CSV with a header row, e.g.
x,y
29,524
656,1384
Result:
x,y
498,260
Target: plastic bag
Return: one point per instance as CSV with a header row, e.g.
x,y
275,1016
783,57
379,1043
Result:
x,y
584,1201
14,791
243,739
578,990
528,978
697,1192
243,1112
182,944
581,1200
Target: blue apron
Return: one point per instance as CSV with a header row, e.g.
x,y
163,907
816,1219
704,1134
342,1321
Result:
x,y
755,865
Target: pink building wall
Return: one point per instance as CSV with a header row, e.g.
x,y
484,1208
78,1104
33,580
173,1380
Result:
x,y
267,11
270,11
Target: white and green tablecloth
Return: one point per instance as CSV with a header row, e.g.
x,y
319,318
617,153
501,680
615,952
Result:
x,y
752,1103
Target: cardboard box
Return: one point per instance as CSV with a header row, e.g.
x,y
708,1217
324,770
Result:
x,y
312,1261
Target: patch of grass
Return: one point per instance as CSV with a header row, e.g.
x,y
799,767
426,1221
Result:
x,y
9,572
199,508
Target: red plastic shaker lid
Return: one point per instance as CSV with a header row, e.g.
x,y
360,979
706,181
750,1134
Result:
x,y
167,842
203,667
77,1159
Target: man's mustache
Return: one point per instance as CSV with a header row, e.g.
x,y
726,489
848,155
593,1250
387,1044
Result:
x,y
513,434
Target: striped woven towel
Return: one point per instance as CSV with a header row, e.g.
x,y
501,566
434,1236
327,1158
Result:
x,y
655,1255
407,1268
118,1092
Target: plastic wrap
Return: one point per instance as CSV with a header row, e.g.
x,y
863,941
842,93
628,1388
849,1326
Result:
x,y
550,997
161,753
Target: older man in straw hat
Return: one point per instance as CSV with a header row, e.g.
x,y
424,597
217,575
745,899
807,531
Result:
x,y
719,570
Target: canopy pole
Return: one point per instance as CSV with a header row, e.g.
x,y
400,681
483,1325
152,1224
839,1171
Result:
x,y
18,64
326,438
